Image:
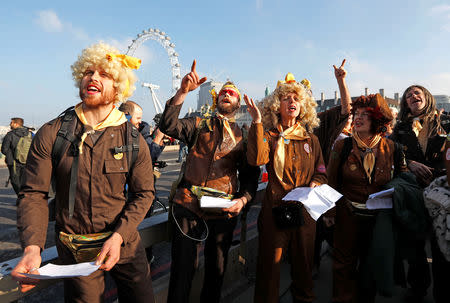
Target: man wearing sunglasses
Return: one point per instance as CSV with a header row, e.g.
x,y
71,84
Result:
x,y
215,166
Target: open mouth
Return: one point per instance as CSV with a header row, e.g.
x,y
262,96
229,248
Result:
x,y
92,89
292,108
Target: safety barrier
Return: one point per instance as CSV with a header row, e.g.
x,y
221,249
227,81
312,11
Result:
x,y
153,230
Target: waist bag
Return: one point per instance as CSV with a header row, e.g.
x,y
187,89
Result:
x,y
201,191
288,215
84,248
360,209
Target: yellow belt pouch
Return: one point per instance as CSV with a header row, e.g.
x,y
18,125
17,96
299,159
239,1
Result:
x,y
85,248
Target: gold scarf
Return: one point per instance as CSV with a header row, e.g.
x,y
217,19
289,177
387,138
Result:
x,y
295,132
369,157
114,118
416,126
421,131
226,125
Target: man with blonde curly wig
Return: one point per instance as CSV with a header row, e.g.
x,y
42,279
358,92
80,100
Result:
x,y
94,219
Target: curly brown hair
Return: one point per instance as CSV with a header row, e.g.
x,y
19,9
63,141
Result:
x,y
380,114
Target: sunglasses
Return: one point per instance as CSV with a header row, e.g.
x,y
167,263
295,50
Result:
x,y
230,92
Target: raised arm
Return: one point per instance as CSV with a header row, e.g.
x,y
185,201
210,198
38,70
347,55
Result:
x,y
181,129
258,145
340,74
189,83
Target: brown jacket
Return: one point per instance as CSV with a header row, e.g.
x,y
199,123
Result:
x,y
300,168
351,180
332,122
100,203
213,161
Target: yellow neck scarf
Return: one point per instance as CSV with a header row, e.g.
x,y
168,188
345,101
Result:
x,y
416,126
114,118
369,157
226,125
295,132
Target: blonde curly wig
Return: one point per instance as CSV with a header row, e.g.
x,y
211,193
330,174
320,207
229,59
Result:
x,y
95,55
270,107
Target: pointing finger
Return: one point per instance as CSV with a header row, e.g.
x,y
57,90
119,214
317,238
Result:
x,y
193,66
194,76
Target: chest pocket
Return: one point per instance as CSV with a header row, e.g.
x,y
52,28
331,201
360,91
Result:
x,y
116,166
116,175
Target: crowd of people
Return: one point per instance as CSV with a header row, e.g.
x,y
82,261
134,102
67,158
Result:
x,y
97,160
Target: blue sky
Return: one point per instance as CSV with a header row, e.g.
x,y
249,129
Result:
x,y
387,44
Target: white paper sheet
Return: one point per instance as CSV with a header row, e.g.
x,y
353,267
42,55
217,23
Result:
x,y
379,203
380,200
383,193
52,271
317,200
215,203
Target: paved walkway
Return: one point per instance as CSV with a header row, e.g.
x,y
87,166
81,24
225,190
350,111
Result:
x,y
322,288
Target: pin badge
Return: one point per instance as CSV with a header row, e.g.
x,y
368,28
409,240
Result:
x,y
118,156
306,147
286,141
352,167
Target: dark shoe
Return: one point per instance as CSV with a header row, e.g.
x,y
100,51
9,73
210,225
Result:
x,y
412,296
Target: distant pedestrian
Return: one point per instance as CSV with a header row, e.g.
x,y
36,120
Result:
x,y
15,147
182,152
133,112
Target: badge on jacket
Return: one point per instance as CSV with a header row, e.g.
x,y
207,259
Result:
x,y
306,147
118,156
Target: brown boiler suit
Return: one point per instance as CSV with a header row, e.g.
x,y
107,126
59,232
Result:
x,y
351,235
100,206
303,164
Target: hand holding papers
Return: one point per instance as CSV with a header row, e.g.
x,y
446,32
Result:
x,y
52,271
317,200
215,204
380,200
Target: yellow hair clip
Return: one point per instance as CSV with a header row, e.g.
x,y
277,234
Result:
x,y
127,61
291,79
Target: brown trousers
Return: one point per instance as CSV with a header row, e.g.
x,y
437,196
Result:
x,y
273,243
352,237
133,280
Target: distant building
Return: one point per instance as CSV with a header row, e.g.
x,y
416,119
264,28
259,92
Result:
x,y
3,131
442,101
242,116
204,95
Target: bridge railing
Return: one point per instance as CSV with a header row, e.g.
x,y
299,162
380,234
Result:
x,y
152,230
